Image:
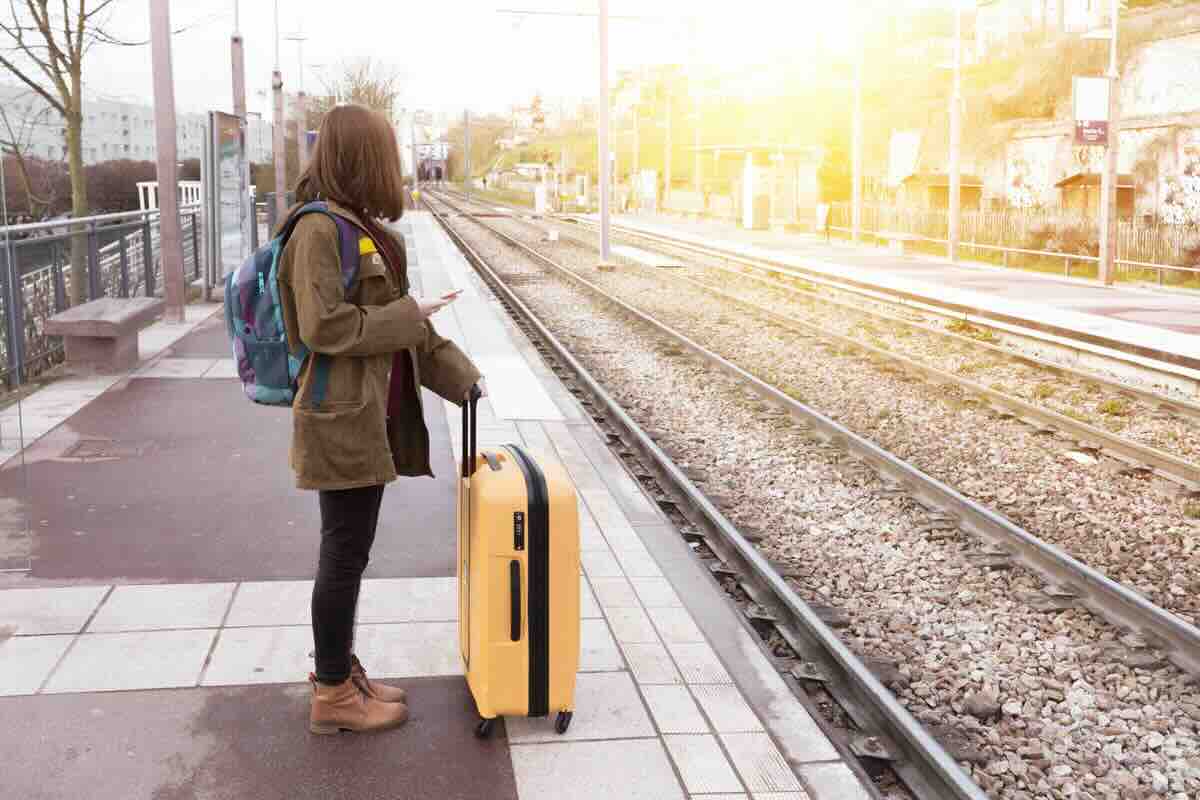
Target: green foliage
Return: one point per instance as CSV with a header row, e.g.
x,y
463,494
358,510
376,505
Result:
x,y
834,176
1114,407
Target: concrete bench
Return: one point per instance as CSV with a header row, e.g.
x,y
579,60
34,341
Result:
x,y
897,242
102,335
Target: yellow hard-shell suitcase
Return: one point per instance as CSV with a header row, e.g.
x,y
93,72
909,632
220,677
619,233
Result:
x,y
518,581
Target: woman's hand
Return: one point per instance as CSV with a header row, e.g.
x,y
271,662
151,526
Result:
x,y
430,307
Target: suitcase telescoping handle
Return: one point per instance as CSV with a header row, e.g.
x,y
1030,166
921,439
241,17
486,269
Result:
x,y
470,423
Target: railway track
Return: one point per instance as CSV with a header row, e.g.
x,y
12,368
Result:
x,y
1091,439
771,595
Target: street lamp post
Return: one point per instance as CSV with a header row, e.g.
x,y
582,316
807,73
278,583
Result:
x,y
301,102
278,141
956,139
467,152
1108,181
856,146
605,166
170,239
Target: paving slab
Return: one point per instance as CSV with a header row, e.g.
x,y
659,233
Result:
x,y
198,488
248,741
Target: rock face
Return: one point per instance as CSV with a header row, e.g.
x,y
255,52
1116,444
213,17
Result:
x,y
982,705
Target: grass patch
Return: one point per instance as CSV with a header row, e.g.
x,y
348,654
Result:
x,y
1044,390
1191,510
1114,407
1078,416
971,367
964,328
1000,387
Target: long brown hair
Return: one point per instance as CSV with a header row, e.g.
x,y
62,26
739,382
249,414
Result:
x,y
356,164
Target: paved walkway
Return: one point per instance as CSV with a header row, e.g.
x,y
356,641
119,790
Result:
x,y
1146,322
154,629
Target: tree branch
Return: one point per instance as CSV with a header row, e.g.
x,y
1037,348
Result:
x,y
55,102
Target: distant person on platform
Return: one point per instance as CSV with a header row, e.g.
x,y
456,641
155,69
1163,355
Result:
x,y
369,428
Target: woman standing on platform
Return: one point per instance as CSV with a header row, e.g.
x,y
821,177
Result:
x,y
366,426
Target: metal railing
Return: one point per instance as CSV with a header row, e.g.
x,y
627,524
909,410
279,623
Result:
x,y
121,259
1159,248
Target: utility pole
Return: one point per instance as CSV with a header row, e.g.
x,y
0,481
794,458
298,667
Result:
x,y
237,56
278,141
694,88
467,154
856,148
412,127
301,103
1108,183
662,201
605,255
170,241
956,140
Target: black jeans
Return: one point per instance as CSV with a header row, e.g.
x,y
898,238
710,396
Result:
x,y
348,520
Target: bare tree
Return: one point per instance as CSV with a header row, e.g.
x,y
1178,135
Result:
x,y
16,139
46,49
366,82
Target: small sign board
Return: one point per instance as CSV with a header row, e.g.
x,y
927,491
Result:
x,y
1091,110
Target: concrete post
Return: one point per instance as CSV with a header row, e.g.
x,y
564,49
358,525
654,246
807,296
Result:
x,y
955,219
170,242
467,152
1108,183
856,148
662,201
605,167
279,143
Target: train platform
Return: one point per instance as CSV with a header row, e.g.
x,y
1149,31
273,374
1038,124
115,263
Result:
x,y
155,629
1141,323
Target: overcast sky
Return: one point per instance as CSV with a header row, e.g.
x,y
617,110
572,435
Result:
x,y
452,53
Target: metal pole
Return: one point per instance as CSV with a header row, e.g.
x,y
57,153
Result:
x,y
605,255
301,103
856,147
278,141
694,86
237,56
467,150
956,139
416,163
246,204
1108,187
170,244
662,201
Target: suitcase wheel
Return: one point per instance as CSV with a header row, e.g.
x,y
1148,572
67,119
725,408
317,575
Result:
x,y
484,729
563,722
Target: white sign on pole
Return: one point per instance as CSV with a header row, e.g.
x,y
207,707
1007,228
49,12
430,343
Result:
x,y
1091,110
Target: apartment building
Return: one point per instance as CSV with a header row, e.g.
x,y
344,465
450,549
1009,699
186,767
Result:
x,y
112,129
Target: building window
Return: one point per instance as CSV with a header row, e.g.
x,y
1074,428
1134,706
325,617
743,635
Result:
x,y
126,148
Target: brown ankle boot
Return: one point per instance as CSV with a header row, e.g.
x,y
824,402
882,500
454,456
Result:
x,y
374,689
345,708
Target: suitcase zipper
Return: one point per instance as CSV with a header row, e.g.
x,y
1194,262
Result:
x,y
538,593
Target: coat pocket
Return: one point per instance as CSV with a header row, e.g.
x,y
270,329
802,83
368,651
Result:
x,y
340,443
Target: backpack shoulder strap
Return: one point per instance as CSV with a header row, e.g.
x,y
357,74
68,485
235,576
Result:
x,y
348,234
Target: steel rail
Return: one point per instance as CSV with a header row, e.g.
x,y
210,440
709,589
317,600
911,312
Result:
x,y
1108,599
921,762
1164,464
1176,404
771,267
666,243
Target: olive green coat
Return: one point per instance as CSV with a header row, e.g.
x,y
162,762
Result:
x,y
348,441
